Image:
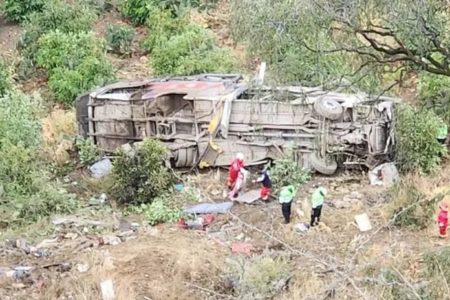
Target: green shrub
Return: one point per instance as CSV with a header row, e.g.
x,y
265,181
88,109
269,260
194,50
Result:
x,y
5,78
88,152
27,192
286,171
120,38
138,11
56,14
75,62
140,178
417,147
161,210
189,52
19,10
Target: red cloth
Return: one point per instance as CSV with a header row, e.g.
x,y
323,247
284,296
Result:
x,y
264,193
233,174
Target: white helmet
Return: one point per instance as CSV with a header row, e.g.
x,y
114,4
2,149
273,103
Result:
x,y
240,156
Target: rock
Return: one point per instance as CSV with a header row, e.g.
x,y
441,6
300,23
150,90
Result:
x,y
82,268
110,240
107,289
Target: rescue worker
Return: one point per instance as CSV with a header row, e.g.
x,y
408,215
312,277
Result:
x,y
317,200
236,169
266,184
287,194
443,218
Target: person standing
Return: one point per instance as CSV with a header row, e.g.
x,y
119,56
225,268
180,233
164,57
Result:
x,y
266,184
317,200
235,175
443,218
287,194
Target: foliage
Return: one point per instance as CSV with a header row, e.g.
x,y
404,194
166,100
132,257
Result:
x,y
19,10
437,272
161,210
141,177
87,151
76,62
189,52
138,11
411,208
5,78
71,17
120,38
25,186
257,277
417,147
286,171
434,94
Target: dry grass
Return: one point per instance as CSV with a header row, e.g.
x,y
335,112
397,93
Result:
x,y
58,131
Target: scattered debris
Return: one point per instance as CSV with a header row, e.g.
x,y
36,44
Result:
x,y
385,174
48,243
363,222
198,224
82,268
107,289
101,199
210,208
72,220
101,169
110,240
348,201
302,227
242,248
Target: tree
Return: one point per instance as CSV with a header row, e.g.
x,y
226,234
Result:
x,y
370,35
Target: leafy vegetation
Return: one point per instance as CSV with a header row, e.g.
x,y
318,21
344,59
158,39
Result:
x,y
286,171
434,94
5,78
27,192
19,10
417,147
88,153
141,177
161,210
75,63
120,38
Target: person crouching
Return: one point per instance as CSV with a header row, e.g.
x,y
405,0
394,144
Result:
x,y
266,184
287,194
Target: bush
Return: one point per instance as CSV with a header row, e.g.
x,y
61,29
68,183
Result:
x,y
140,178
120,38
189,52
5,79
56,14
19,10
28,192
88,153
161,210
75,62
286,171
417,147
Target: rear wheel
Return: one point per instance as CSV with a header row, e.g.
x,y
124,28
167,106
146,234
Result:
x,y
325,166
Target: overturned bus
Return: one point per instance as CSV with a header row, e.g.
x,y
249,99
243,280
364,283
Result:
x,y
205,120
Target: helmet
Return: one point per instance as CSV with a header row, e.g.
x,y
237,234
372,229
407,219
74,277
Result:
x,y
240,156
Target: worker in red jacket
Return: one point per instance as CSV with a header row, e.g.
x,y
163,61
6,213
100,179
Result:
x,y
443,218
236,168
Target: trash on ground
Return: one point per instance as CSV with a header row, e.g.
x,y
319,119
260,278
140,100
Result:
x,y
363,222
198,224
99,200
242,248
107,289
101,168
385,174
302,227
210,208
82,268
7,272
23,245
110,240
248,197
179,187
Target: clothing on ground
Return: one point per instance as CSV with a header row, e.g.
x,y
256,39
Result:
x,y
318,197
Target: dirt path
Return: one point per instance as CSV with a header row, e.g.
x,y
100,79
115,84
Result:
x,y
9,35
